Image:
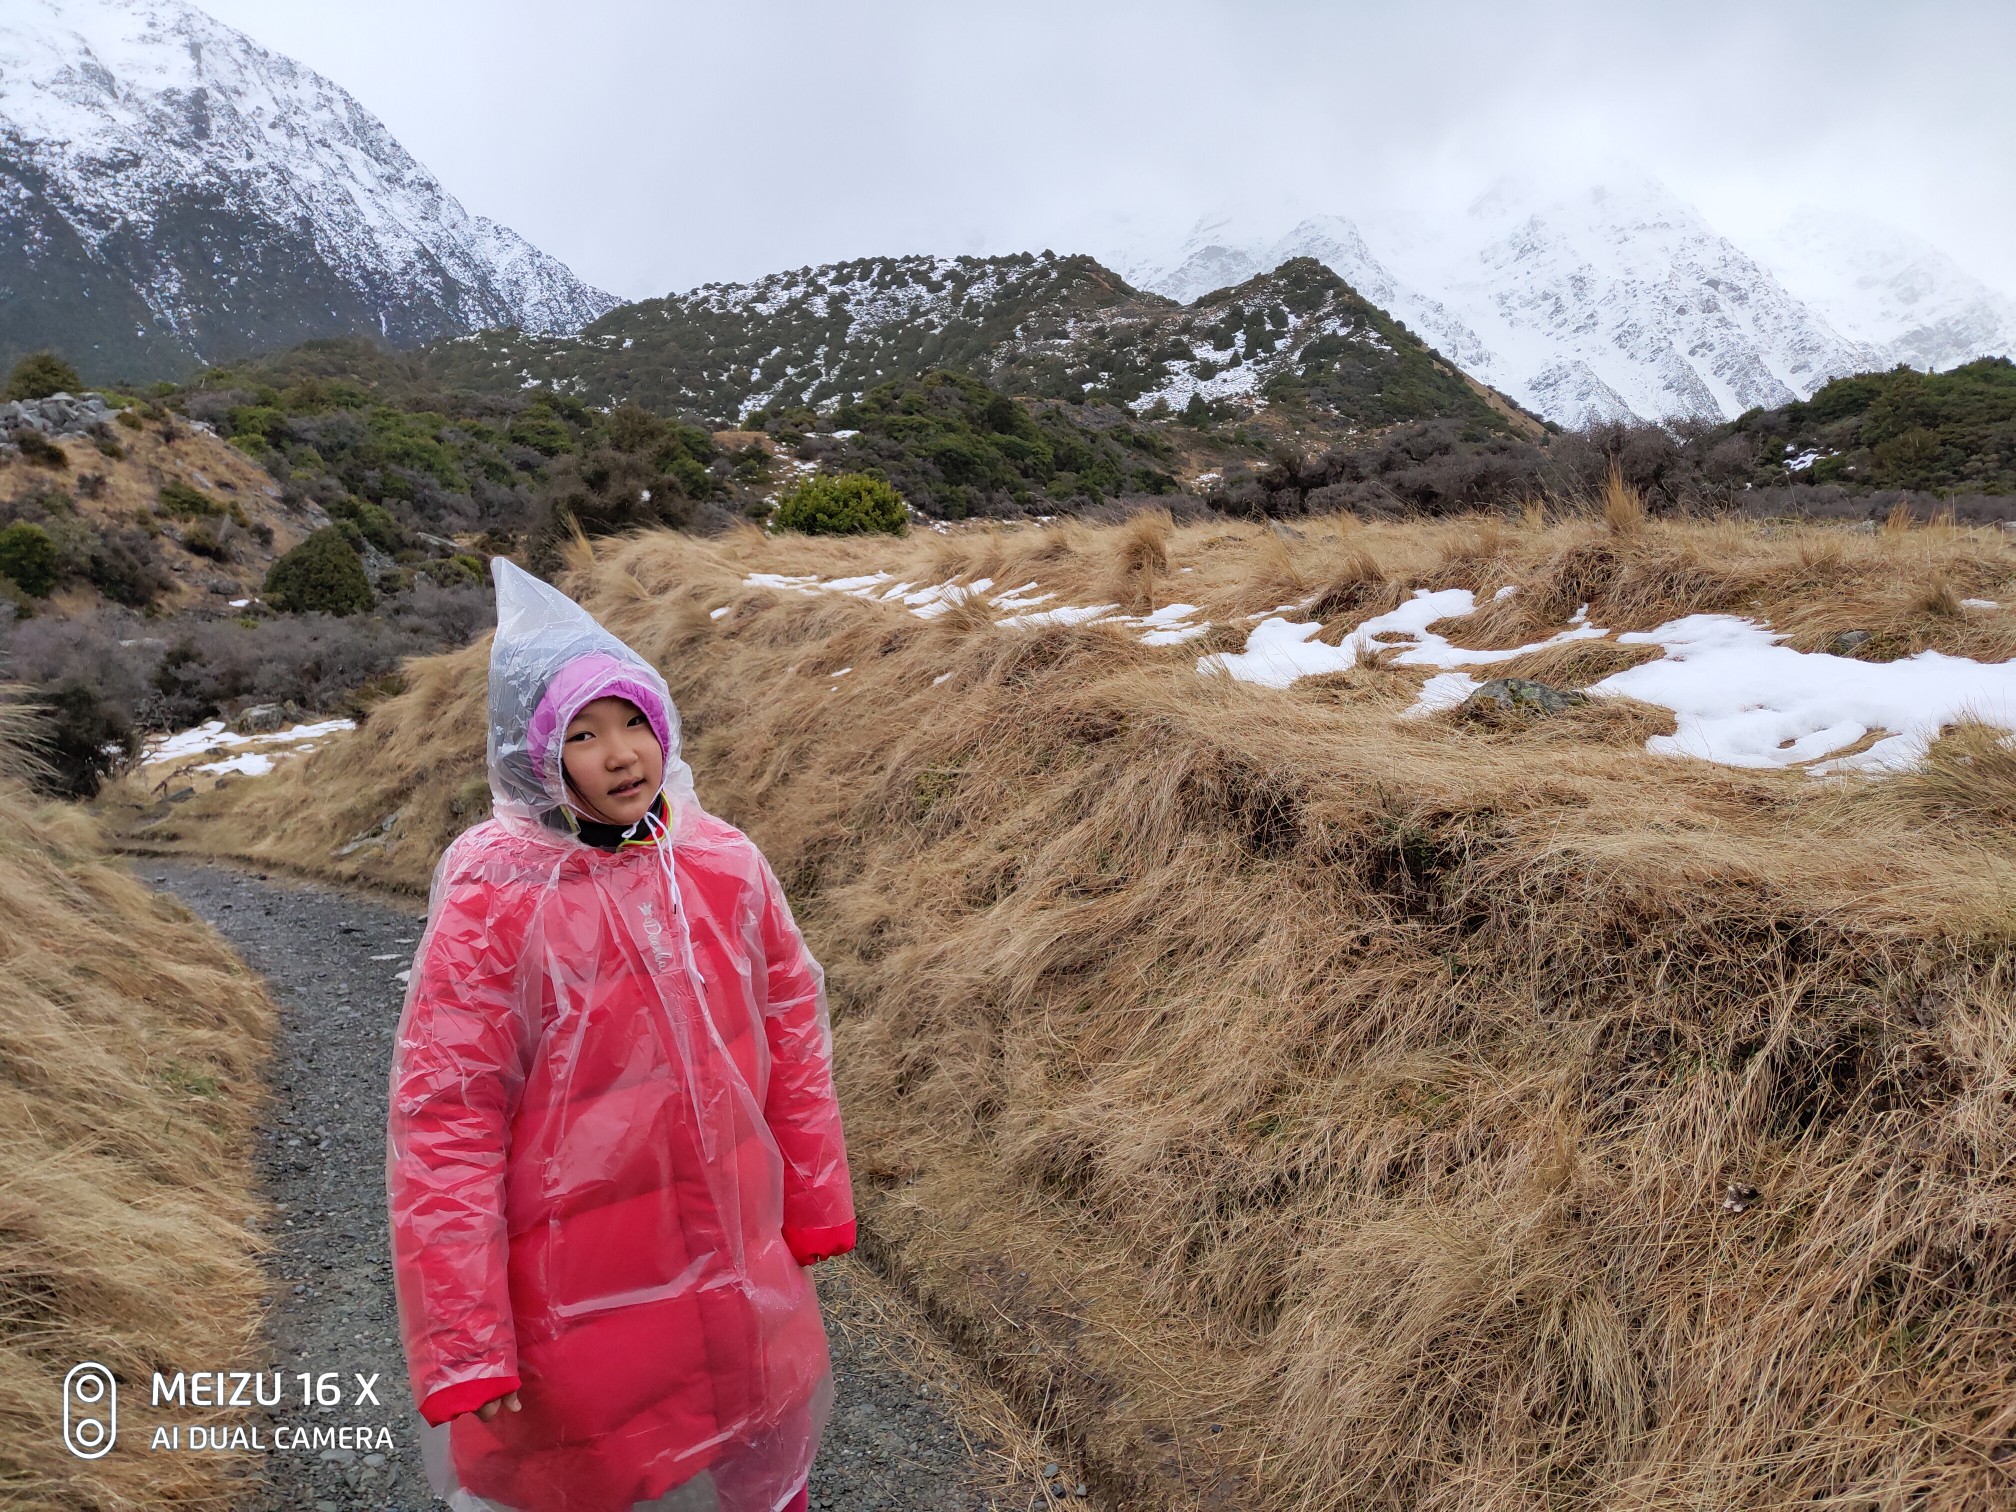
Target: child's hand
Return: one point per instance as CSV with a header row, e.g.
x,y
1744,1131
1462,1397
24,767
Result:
x,y
489,1409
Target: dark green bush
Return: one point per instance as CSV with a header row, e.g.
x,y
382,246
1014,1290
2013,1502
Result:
x,y
79,725
324,573
206,540
374,522
179,501
538,427
842,504
40,374
28,558
39,449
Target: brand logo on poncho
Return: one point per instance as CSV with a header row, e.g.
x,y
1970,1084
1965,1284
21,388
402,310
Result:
x,y
655,943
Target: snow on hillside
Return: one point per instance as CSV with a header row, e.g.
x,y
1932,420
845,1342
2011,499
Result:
x,y
1738,695
1892,290
137,123
1617,302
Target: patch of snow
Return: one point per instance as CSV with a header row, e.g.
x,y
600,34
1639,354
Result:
x,y
1278,651
1742,699
717,613
780,580
1068,615
213,734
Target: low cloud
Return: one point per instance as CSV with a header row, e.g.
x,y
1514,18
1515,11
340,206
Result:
x,y
658,146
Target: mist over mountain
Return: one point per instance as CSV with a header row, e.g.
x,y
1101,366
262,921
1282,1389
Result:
x,y
1622,301
1891,290
171,193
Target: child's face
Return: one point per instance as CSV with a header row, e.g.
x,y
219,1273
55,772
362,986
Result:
x,y
613,760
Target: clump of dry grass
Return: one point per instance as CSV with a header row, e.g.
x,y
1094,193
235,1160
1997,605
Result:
x,y
1141,560
1576,664
1368,1088
1623,508
130,1047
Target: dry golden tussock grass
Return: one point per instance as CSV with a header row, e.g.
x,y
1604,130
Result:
x,y
130,1048
1452,1117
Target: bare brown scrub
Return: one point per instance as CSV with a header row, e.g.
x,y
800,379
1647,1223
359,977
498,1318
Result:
x,y
1308,1108
131,1042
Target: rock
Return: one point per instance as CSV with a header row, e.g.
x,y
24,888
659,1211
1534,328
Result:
x,y
1739,1197
376,836
1846,642
259,719
1510,695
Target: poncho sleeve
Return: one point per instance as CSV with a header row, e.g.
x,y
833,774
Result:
x,y
801,1107
458,1070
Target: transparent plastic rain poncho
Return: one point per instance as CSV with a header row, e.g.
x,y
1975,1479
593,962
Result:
x,y
613,1141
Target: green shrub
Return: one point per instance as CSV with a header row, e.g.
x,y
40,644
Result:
x,y
130,418
842,504
539,428
257,426
204,539
323,573
40,374
28,558
179,501
452,570
38,448
374,522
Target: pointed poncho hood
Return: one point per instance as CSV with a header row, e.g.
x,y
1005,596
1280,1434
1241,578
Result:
x,y
551,657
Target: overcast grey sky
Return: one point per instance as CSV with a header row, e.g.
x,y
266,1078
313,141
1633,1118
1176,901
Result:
x,y
657,144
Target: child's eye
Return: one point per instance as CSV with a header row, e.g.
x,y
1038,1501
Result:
x,y
636,719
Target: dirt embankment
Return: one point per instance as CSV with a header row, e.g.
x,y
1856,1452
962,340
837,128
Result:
x,y
131,1051
1306,1107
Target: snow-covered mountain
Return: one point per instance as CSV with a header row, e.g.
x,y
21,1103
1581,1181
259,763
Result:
x,y
1618,302
172,193
1891,290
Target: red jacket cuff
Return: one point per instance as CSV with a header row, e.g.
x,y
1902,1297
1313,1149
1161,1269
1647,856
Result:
x,y
465,1396
812,1244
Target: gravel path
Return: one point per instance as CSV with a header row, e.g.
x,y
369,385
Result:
x,y
331,960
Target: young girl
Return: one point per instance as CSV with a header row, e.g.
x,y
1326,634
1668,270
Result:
x,y
613,1141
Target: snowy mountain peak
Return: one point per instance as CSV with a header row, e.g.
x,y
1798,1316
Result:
x,y
171,192
1889,288
1613,302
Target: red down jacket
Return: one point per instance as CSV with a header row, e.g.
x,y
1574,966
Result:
x,y
613,1142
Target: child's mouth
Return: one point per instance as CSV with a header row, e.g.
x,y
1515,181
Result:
x,y
623,790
